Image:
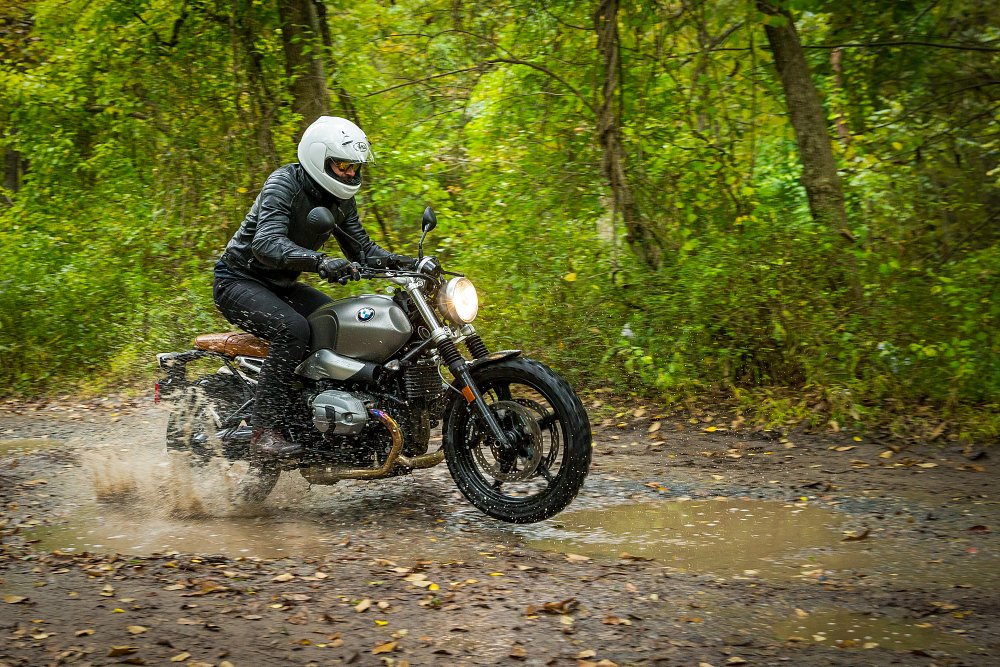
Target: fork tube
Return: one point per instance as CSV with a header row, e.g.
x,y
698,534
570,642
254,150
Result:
x,y
442,337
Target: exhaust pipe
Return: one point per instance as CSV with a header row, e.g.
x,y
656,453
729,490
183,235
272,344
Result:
x,y
333,474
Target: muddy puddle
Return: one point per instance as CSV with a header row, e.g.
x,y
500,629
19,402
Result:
x,y
720,536
25,445
847,629
771,540
135,502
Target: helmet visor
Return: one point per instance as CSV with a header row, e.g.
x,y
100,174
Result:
x,y
344,171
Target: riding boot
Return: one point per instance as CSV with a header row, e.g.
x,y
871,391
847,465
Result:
x,y
270,443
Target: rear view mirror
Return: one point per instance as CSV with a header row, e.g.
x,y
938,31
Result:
x,y
430,220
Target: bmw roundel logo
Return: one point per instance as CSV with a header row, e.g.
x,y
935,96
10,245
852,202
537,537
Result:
x,y
366,314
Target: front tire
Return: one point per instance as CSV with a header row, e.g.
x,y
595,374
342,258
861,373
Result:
x,y
552,450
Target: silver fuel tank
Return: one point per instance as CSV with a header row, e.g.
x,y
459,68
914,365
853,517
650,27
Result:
x,y
370,327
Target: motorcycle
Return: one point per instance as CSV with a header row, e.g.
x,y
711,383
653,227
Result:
x,y
514,434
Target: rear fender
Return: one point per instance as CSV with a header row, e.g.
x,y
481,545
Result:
x,y
174,364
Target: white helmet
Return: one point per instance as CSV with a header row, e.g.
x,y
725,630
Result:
x,y
330,138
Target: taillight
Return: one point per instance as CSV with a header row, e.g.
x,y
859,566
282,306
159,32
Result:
x,y
156,393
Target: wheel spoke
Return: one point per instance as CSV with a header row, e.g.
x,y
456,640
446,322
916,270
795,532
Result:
x,y
545,472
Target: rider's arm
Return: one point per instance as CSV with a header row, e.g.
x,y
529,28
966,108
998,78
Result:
x,y
271,245
359,237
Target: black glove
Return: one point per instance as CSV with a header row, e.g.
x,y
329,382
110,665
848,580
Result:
x,y
392,261
338,269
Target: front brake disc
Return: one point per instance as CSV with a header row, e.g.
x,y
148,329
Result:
x,y
517,418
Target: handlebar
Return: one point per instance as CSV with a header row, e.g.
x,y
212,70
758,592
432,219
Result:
x,y
368,273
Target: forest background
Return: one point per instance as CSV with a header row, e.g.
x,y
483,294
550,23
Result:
x,y
789,206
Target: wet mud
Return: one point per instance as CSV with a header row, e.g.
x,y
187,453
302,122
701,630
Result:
x,y
688,545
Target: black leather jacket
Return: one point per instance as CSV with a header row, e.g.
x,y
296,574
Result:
x,y
275,243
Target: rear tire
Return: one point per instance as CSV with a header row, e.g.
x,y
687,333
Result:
x,y
196,417
257,484
553,443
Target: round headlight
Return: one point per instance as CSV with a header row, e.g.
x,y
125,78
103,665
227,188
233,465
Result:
x,y
459,301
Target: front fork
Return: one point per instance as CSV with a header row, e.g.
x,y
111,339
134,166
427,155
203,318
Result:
x,y
458,366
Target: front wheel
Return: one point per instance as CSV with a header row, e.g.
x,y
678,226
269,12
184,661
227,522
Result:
x,y
541,413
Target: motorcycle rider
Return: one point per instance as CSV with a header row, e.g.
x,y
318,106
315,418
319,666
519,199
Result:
x,y
256,280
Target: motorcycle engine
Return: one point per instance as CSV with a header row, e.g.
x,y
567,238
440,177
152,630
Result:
x,y
339,413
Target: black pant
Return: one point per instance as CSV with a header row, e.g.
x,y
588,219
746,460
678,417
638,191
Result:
x,y
278,316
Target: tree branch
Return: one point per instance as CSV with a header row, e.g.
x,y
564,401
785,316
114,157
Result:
x,y
937,45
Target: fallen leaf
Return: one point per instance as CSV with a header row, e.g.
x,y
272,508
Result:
x,y
736,660
614,620
284,577
855,537
979,528
887,454
653,428
387,647
627,556
927,465
84,633
563,607
364,605
846,448
14,599
136,629
517,651
577,558
116,651
801,613
589,653
180,657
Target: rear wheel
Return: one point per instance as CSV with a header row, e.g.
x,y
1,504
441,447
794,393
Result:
x,y
257,483
542,473
197,416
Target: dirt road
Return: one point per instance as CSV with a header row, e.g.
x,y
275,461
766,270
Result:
x,y
692,544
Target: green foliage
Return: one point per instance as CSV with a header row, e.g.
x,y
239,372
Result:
x,y
144,129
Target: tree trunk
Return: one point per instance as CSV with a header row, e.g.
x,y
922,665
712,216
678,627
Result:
x,y
819,169
303,48
638,232
13,168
